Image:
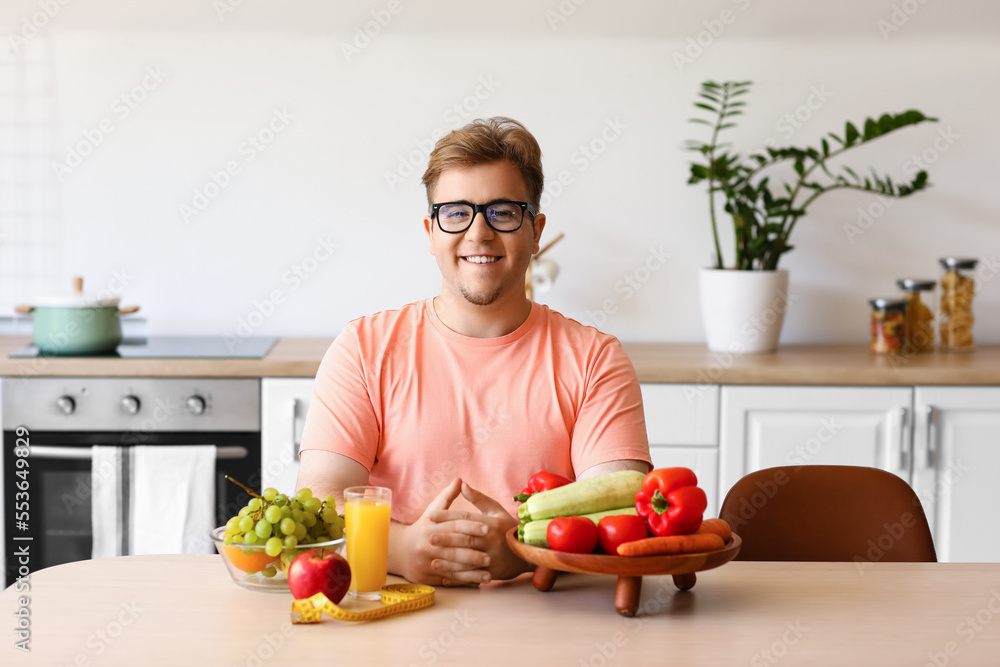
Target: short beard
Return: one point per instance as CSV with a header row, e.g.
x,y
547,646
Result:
x,y
481,299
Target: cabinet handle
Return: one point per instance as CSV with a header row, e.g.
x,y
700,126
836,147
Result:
x,y
295,447
904,459
931,445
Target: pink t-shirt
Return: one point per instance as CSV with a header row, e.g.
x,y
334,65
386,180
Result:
x,y
419,404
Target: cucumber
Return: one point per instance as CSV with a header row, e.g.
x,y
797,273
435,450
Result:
x,y
596,494
535,532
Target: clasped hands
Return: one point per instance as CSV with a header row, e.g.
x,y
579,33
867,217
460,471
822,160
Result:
x,y
447,547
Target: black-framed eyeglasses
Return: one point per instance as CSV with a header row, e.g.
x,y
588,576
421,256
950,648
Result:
x,y
454,217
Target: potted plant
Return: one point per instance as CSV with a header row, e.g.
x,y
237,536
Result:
x,y
743,305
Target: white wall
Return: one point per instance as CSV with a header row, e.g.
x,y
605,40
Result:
x,y
324,175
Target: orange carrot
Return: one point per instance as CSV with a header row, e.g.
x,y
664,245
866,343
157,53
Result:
x,y
716,527
670,545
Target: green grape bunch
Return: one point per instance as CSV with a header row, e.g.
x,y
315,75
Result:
x,y
284,526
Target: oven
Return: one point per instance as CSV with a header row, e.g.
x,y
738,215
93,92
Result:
x,y
51,424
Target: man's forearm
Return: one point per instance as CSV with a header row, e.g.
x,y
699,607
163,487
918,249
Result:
x,y
399,551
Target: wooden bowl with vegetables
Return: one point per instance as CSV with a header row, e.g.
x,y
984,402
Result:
x,y
606,499
628,569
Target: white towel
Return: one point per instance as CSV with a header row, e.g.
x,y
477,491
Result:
x,y
152,500
172,499
106,501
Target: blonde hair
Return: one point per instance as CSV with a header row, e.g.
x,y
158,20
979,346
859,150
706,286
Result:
x,y
482,141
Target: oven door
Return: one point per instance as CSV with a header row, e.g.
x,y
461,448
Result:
x,y
59,521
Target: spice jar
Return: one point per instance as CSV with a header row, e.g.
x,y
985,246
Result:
x,y
957,290
919,297
888,325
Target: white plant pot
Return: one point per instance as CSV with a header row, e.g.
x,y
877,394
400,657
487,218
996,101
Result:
x,y
742,311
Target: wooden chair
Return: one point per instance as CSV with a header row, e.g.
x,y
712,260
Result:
x,y
828,513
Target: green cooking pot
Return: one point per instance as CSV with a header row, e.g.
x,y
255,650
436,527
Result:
x,y
77,324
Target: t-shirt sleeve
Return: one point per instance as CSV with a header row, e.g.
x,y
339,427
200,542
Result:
x,y
341,416
610,425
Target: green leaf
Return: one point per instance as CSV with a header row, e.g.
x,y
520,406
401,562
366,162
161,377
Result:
x,y
701,121
850,134
826,150
871,129
701,105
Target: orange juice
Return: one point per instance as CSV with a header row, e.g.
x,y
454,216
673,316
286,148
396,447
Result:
x,y
366,518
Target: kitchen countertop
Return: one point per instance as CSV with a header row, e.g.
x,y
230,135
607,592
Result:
x,y
654,362
184,610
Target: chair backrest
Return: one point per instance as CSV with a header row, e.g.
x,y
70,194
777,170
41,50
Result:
x,y
828,513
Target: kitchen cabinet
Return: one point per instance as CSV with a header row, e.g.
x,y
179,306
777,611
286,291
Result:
x,y
284,403
942,440
762,427
682,423
955,466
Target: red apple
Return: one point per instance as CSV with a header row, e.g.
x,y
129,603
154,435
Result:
x,y
319,571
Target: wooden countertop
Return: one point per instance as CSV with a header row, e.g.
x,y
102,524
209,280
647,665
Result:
x,y
184,610
654,362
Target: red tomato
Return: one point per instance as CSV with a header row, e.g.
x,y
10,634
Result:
x,y
573,534
615,530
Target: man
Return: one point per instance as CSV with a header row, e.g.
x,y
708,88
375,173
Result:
x,y
455,401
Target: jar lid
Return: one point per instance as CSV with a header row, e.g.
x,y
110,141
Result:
x,y
915,284
952,263
887,303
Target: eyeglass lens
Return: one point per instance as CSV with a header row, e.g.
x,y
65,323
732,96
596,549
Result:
x,y
501,215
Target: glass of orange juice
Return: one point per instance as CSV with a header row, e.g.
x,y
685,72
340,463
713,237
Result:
x,y
366,519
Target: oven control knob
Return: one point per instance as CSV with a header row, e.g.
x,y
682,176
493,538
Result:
x,y
131,404
66,404
196,404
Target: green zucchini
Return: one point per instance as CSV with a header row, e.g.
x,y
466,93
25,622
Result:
x,y
535,532
596,494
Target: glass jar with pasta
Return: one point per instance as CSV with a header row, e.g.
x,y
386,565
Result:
x,y
919,296
888,330
957,290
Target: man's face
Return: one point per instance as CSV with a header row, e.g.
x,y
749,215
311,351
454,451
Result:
x,y
506,254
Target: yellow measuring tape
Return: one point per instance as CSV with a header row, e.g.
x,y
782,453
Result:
x,y
396,599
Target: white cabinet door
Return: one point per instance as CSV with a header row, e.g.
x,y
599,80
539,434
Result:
x,y
703,460
682,422
776,426
681,414
284,403
956,463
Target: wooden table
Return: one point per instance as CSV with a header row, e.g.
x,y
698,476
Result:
x,y
184,610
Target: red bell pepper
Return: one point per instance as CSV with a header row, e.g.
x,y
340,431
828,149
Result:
x,y
671,501
541,481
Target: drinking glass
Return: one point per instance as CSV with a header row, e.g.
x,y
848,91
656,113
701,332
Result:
x,y
366,518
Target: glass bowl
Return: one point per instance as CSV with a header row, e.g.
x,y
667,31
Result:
x,y
245,561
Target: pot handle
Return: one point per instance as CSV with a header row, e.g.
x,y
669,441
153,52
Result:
x,y
24,310
128,310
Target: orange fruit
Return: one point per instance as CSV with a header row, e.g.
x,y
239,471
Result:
x,y
255,561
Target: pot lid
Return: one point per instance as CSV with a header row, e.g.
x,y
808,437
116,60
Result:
x,y
78,299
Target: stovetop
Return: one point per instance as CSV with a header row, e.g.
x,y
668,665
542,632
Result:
x,y
177,347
